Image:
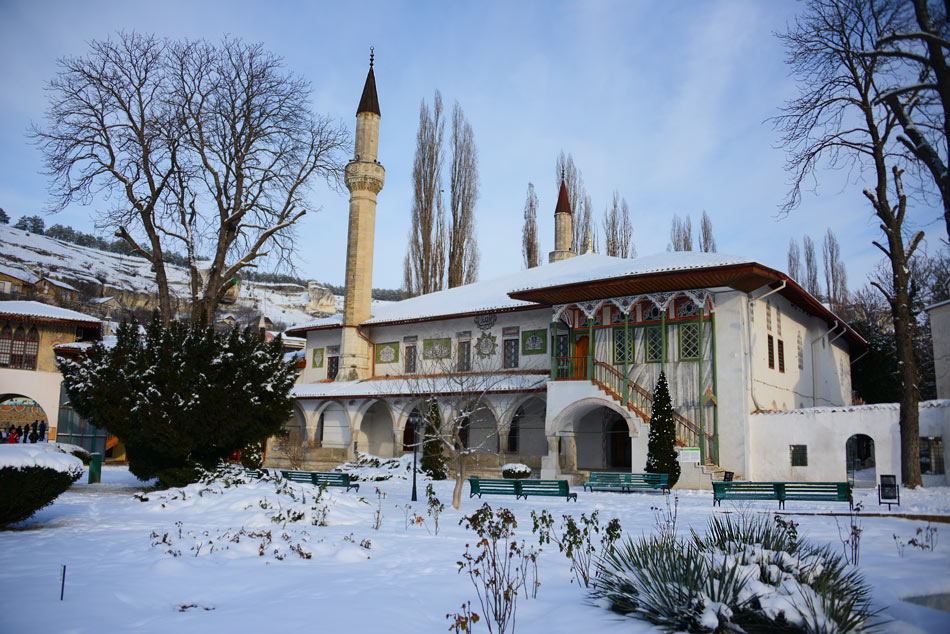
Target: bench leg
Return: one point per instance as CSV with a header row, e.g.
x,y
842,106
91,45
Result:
x,y
572,496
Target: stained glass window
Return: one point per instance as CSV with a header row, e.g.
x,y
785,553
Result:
x,y
18,348
32,347
771,352
781,356
410,359
6,342
465,356
333,367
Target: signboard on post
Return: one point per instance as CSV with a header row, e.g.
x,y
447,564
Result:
x,y
689,454
889,491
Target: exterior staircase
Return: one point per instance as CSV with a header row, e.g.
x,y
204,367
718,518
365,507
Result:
x,y
639,400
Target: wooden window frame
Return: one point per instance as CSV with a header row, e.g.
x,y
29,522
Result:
x,y
771,352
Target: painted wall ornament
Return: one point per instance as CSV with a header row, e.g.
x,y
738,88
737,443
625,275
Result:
x,y
436,348
534,342
387,352
485,321
317,358
486,345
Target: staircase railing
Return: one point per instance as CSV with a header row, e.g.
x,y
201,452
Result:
x,y
640,401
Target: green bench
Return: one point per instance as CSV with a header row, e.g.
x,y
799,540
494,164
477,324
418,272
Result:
x,y
816,491
782,492
627,482
519,488
480,486
318,478
255,473
551,488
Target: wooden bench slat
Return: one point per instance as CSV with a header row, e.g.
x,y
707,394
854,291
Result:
x,y
321,478
782,491
627,482
519,488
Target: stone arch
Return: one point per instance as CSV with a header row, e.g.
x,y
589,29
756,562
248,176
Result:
x,y
375,430
526,428
860,461
598,435
481,429
333,423
21,410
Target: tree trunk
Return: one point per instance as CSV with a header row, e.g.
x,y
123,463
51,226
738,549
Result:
x,y
459,480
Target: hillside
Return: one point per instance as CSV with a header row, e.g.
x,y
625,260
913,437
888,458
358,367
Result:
x,y
130,279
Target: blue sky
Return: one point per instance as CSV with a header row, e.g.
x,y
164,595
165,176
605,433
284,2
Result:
x,y
665,102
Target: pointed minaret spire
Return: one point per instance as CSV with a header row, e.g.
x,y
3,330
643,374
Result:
x,y
369,102
563,225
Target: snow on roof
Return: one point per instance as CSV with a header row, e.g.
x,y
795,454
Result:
x,y
45,311
101,300
60,284
18,273
937,305
493,295
413,385
324,322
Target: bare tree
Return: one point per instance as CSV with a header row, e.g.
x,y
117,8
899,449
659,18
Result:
x,y
584,226
425,259
210,147
462,398
811,267
618,231
836,276
707,243
463,250
530,248
681,234
794,261
837,119
918,93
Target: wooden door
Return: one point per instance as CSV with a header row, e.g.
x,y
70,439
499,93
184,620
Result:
x,y
581,348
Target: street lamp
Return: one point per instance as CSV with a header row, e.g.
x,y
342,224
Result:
x,y
414,420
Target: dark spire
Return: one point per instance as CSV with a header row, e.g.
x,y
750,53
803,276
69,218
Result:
x,y
563,203
369,102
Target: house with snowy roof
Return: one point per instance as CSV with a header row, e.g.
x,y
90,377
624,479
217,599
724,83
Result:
x,y
57,290
575,348
29,332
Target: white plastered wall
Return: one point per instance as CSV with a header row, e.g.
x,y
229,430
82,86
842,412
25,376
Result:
x,y
825,431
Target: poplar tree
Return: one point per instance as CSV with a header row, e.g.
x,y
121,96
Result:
x,y
661,455
530,248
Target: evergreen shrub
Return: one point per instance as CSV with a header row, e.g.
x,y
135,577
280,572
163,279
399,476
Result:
x,y
661,452
744,574
25,490
515,471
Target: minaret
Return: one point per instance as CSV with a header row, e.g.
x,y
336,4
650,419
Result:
x,y
364,178
563,226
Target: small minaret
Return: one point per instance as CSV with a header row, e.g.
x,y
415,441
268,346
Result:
x,y
563,226
364,178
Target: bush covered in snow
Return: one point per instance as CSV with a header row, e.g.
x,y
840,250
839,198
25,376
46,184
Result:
x,y
516,470
182,396
745,574
31,477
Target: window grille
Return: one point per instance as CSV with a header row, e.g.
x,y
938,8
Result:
x,y
931,455
771,352
623,347
410,366
653,313
465,356
799,455
781,356
511,353
689,341
6,345
653,345
333,367
18,348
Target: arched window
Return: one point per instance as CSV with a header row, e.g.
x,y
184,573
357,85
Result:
x,y
6,341
32,346
18,347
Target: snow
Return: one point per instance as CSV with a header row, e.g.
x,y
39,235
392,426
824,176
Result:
x,y
60,284
41,454
18,273
212,558
43,311
493,295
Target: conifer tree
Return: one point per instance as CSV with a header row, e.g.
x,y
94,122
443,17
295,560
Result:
x,y
661,456
182,397
433,462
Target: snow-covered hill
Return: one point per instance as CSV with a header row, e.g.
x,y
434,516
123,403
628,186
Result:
x,y
131,280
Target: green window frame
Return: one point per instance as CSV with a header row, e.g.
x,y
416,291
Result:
x,y
688,337
653,344
623,346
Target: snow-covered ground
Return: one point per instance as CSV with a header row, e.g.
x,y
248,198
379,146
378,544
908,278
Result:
x,y
210,558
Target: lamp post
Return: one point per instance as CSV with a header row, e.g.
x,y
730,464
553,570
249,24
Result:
x,y
414,419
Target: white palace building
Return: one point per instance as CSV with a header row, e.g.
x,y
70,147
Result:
x,y
759,370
